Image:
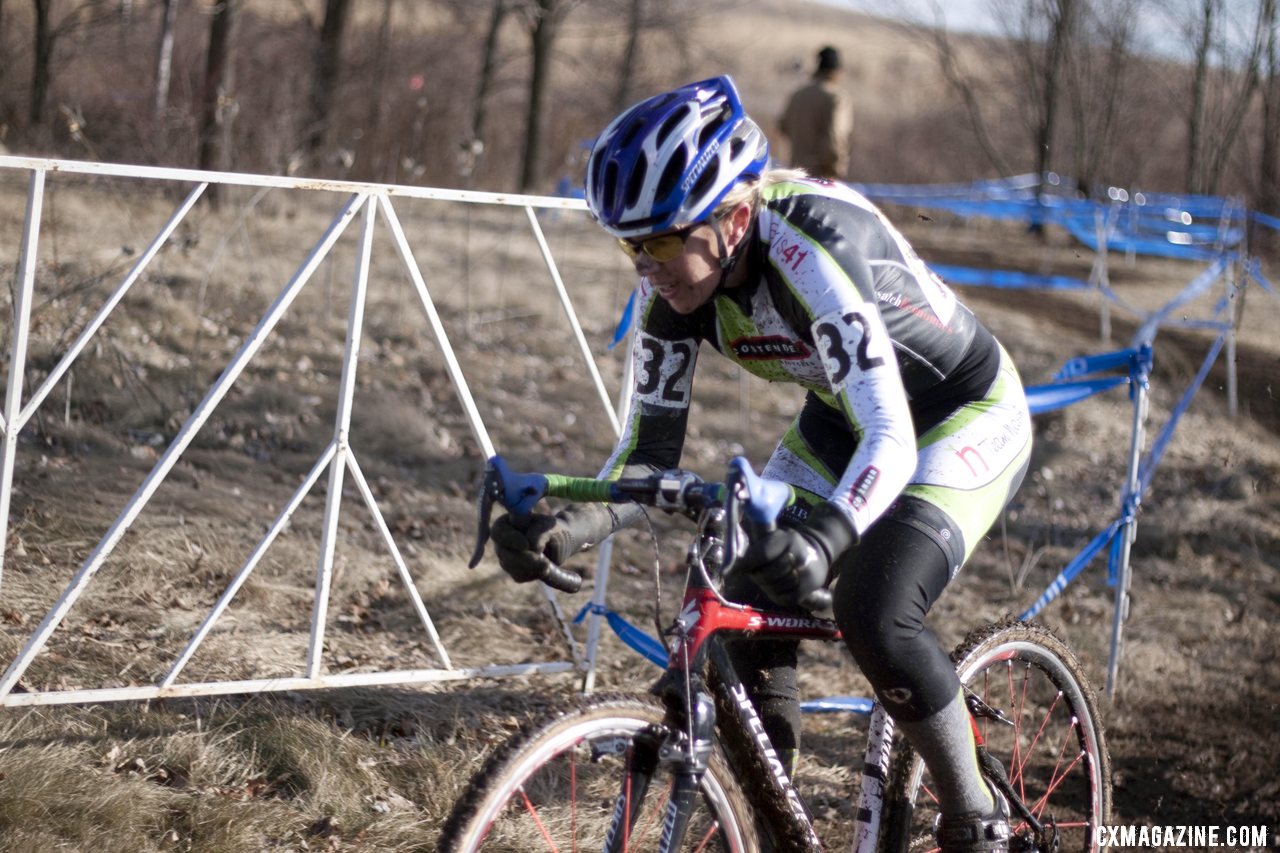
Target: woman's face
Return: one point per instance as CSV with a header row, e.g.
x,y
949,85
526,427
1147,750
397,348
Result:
x,y
687,281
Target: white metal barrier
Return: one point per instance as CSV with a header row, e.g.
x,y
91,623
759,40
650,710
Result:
x,y
370,203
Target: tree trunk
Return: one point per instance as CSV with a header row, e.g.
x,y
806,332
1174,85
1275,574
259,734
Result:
x,y
1269,177
1199,86
1061,29
626,74
547,17
377,147
40,65
4,60
215,113
487,65
1097,75
324,79
963,86
164,56
1227,128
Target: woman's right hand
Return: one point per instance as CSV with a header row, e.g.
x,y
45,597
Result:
x,y
531,548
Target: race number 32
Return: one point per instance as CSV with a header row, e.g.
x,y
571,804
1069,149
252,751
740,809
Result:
x,y
662,371
837,336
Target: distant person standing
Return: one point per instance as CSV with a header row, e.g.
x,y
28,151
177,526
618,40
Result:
x,y
819,121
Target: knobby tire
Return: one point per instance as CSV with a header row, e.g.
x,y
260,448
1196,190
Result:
x,y
555,785
1055,755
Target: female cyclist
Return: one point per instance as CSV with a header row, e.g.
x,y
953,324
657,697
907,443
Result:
x,y
913,435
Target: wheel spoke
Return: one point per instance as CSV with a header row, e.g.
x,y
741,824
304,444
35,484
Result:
x,y
1053,751
1054,782
568,782
537,820
1030,752
706,838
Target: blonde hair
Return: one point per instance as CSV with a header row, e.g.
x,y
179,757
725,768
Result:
x,y
751,191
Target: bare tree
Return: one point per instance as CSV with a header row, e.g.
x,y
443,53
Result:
x,y
1269,177
217,108
164,55
1098,71
380,63
1042,34
3,59
962,83
1225,76
497,13
46,34
1203,40
324,82
626,73
546,17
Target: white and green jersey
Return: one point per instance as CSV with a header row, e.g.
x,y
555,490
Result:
x,y
836,301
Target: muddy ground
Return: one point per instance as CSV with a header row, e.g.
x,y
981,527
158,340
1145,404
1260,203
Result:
x,y
1197,700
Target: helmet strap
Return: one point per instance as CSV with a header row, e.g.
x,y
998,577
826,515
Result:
x,y
727,261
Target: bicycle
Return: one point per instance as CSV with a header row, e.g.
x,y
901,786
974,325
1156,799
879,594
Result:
x,y
689,767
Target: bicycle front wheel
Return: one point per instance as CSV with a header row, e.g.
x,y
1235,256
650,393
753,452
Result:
x,y
561,784
1050,743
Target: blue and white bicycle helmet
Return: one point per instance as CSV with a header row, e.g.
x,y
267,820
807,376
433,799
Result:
x,y
668,161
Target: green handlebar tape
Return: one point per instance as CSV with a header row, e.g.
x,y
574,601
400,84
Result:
x,y
582,489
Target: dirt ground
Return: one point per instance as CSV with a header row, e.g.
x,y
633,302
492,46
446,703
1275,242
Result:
x,y
1197,699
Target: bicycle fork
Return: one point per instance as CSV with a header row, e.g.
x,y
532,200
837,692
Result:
x,y
687,749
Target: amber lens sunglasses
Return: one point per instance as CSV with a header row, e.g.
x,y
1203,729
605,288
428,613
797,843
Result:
x,y
663,248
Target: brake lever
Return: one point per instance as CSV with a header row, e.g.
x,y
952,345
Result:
x,y
760,500
519,493
490,490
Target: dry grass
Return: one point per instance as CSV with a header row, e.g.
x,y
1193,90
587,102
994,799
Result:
x,y
377,770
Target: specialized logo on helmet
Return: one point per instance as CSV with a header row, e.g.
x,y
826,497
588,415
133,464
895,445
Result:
x,y
700,166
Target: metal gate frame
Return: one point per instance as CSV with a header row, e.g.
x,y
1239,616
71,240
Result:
x,y
339,459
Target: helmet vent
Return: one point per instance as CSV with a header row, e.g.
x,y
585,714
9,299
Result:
x,y
610,184
628,133
706,180
635,181
712,127
668,127
671,174
597,160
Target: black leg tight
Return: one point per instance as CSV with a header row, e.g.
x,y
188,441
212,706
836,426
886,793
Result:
x,y
886,587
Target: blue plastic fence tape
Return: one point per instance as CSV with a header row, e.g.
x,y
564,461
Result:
x,y
624,322
635,639
1007,279
1068,574
1264,219
1057,395
1161,443
1255,271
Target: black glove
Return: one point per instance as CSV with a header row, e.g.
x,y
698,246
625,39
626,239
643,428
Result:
x,y
792,564
532,548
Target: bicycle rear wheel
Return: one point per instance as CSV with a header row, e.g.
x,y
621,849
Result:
x,y
558,784
1052,745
